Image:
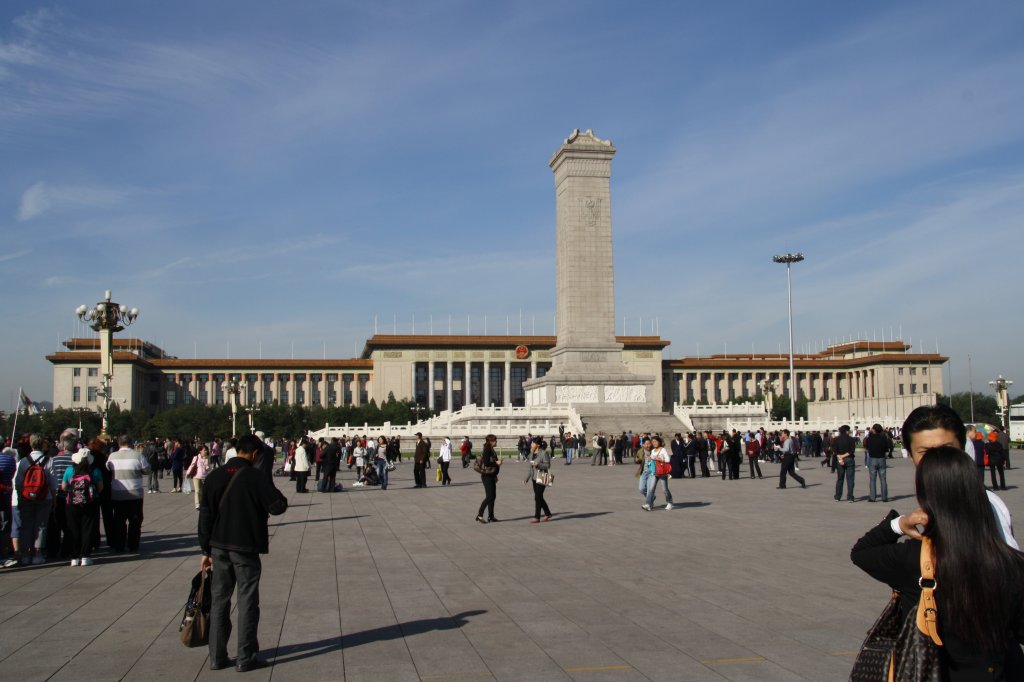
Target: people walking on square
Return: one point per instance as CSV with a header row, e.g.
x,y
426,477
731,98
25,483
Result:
x,y
843,447
978,579
34,487
569,446
233,512
878,446
128,467
735,454
996,460
753,447
444,460
82,484
540,467
197,470
488,467
465,450
331,463
678,447
421,458
703,448
690,455
301,467
57,537
789,449
643,473
381,462
177,466
658,454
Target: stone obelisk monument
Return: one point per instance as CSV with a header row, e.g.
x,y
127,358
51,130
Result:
x,y
586,363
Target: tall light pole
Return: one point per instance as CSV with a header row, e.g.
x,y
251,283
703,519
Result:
x,y
1002,386
232,387
789,259
106,318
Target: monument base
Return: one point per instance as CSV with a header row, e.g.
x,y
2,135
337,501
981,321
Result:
x,y
596,392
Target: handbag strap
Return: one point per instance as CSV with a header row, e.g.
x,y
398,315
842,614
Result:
x,y
234,477
927,609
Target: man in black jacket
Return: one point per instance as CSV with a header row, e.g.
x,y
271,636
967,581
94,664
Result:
x,y
878,446
237,499
843,447
420,460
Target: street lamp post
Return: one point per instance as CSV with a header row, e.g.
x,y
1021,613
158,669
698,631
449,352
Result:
x,y
106,318
768,392
1001,387
232,387
789,259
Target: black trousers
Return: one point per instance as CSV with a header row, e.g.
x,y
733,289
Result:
x,y
319,470
490,482
419,474
704,472
445,478
754,466
178,479
538,500
58,544
127,528
789,467
992,469
300,481
734,465
82,523
233,570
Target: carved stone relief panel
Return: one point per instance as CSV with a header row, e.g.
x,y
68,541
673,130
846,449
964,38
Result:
x,y
576,394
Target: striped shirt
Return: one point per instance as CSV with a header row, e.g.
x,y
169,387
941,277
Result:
x,y
128,466
58,465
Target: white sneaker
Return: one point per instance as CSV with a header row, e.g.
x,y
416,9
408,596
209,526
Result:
x,y
645,507
10,563
668,506
86,561
74,562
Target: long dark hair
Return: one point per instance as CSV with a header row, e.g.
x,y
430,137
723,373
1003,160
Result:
x,y
975,569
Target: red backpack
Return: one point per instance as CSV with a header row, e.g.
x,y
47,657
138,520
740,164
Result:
x,y
35,487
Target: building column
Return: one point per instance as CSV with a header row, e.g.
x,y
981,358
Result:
x,y
487,383
533,369
357,390
506,384
682,388
449,385
466,394
430,384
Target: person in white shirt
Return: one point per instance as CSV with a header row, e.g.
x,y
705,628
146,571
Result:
x,y
444,460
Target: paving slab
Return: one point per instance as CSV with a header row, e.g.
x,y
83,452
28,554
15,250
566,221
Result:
x,y
736,583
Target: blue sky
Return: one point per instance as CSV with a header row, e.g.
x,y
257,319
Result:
x,y
264,174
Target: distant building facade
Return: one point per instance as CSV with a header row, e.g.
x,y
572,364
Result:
x,y
445,372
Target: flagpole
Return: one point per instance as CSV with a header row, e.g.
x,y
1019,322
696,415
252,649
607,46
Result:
x,y
16,411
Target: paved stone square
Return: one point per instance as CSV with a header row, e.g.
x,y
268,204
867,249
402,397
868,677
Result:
x,y
739,582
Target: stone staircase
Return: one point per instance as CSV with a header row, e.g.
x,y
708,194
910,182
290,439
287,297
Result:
x,y
667,425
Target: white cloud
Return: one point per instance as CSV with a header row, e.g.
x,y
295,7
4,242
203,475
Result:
x,y
41,197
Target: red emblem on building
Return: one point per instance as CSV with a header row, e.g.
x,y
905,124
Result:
x,y
522,352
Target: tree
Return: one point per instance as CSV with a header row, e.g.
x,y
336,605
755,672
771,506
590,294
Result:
x,y
985,409
780,408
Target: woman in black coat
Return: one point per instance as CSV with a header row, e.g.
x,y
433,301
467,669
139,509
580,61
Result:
x,y
488,466
980,579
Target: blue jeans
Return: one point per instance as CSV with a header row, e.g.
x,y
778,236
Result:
x,y
876,468
646,478
653,487
382,473
845,472
568,455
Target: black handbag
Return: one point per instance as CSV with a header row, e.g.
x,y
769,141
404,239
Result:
x,y
195,623
907,651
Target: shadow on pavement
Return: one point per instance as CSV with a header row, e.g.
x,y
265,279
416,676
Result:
x,y
337,518
297,652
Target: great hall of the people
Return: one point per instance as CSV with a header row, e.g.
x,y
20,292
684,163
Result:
x,y
444,372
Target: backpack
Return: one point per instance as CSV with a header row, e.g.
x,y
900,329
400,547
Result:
x,y
80,491
35,486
